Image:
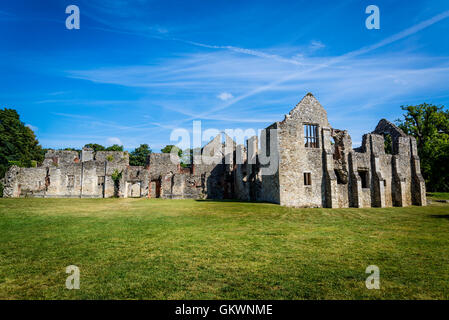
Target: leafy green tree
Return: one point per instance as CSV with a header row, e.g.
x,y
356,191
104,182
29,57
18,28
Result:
x,y
18,144
168,148
95,146
114,147
139,156
388,144
187,158
43,152
429,124
98,147
116,177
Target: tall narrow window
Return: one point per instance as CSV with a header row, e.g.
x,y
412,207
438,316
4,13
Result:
x,y
388,143
307,179
311,136
340,178
364,177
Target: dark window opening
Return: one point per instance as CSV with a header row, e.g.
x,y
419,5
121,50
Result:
x,y
364,178
244,176
388,144
340,179
311,136
307,179
267,142
155,188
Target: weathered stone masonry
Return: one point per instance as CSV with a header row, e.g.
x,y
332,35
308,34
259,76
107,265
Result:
x,y
317,167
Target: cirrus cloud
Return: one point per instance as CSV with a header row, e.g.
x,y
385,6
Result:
x,y
224,96
114,140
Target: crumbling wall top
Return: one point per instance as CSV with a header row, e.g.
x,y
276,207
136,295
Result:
x,y
61,157
112,156
309,110
385,126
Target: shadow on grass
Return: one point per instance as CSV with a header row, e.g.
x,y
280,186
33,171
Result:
x,y
440,216
229,200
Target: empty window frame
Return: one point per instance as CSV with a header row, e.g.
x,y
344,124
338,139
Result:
x,y
364,177
307,179
311,136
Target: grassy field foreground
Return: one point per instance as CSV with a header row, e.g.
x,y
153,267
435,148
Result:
x,y
185,249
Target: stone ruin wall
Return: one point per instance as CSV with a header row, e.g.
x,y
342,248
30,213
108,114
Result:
x,y
64,174
338,175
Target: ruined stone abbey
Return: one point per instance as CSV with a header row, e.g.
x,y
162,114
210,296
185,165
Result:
x,y
316,167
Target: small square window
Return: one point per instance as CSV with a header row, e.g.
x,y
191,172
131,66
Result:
x,y
307,179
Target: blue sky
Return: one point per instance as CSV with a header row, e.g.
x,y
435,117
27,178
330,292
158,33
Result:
x,y
138,69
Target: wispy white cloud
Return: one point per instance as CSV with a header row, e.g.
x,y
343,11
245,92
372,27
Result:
x,y
396,37
316,45
88,102
69,115
403,34
347,85
141,28
356,78
124,17
225,96
114,140
57,93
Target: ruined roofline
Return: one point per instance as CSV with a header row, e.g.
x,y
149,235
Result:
x,y
219,137
385,126
309,95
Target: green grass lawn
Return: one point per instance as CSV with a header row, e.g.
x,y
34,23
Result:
x,y
438,195
186,249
